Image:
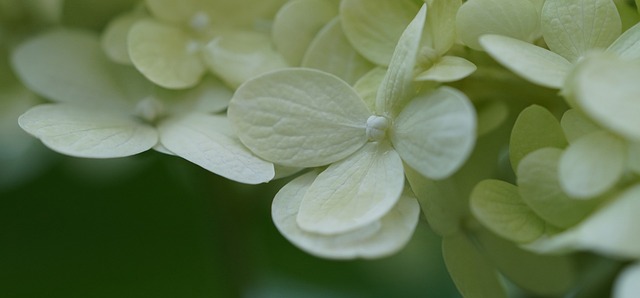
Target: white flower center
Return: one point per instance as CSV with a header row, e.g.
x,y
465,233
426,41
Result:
x,y
200,21
376,128
150,109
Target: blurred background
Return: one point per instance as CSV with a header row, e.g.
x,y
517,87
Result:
x,y
153,225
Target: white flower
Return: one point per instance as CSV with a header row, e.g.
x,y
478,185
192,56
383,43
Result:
x,y
308,118
104,110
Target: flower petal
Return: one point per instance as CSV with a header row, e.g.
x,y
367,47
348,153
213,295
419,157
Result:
x,y
440,30
397,85
374,27
627,46
627,284
575,125
69,66
239,56
499,207
367,86
534,128
531,62
448,69
607,89
297,23
379,239
299,117
114,38
540,189
354,192
330,51
435,132
208,141
165,54
517,19
573,27
592,165
88,131
472,273
612,230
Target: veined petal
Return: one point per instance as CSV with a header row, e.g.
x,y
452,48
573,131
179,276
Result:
x,y
299,117
612,230
499,207
330,51
592,165
239,56
607,89
374,27
533,63
297,23
627,46
88,131
435,132
68,66
518,19
353,193
397,84
540,188
166,55
573,27
627,283
209,142
448,69
379,239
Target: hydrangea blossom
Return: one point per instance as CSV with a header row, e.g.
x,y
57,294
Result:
x,y
570,29
175,47
308,118
104,110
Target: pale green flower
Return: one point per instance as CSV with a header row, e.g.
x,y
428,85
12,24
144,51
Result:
x,y
571,29
104,110
185,39
308,118
374,29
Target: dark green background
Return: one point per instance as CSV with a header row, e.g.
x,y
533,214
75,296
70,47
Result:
x,y
157,226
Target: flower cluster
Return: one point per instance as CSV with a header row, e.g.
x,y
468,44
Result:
x,y
512,125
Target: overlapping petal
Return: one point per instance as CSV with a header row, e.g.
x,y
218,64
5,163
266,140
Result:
x,y
208,141
87,131
534,63
299,117
69,66
330,51
592,165
354,192
397,85
518,19
165,54
240,56
572,27
435,132
374,27
606,89
378,239
296,25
